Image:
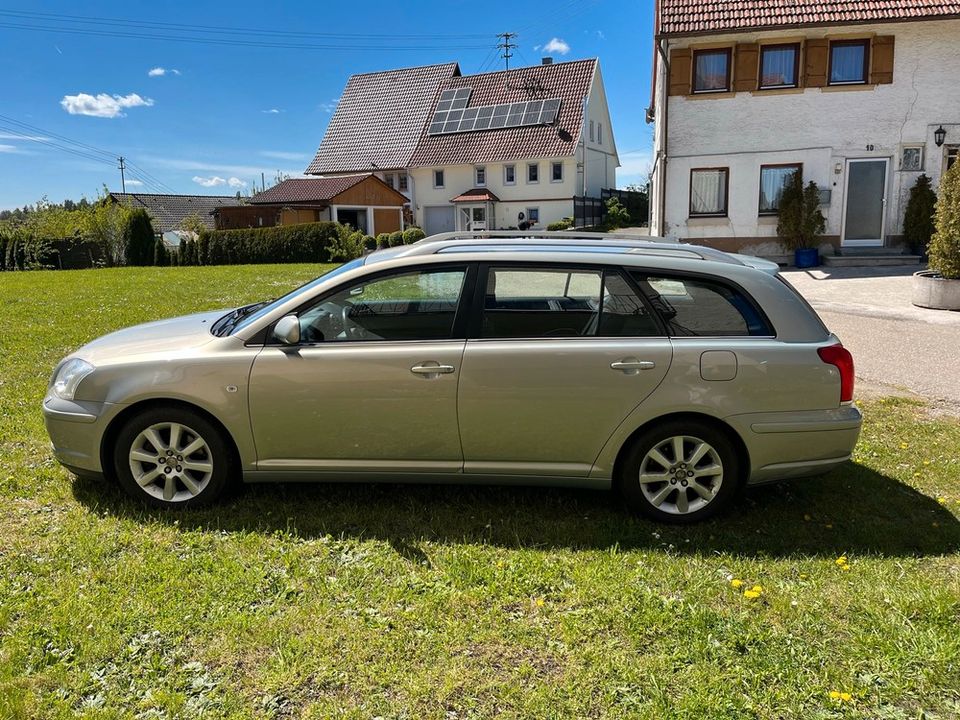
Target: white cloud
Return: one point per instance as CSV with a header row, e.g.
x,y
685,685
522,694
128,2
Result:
x,y
161,71
600,35
134,182
329,107
272,111
281,155
8,148
634,167
102,105
556,45
236,183
216,181
33,138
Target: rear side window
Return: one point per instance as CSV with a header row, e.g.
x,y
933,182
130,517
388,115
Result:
x,y
693,307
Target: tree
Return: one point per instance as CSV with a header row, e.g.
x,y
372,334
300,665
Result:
x,y
106,224
192,223
160,255
918,225
138,238
800,222
617,215
945,244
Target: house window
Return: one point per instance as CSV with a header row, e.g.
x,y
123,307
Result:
x,y
779,66
600,133
708,192
556,172
911,160
402,182
480,175
509,174
711,70
591,131
388,179
533,172
951,156
533,216
773,179
849,62
438,178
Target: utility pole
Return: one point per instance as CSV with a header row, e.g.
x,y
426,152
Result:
x,y
506,46
123,181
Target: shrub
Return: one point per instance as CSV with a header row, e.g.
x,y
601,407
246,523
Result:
x,y
918,224
307,242
160,255
138,238
564,224
203,257
800,220
413,234
369,243
617,215
396,238
383,240
347,245
945,244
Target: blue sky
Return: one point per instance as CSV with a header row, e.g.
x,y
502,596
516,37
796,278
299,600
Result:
x,y
209,115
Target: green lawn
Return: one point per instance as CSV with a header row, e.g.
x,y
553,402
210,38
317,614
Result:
x,y
450,602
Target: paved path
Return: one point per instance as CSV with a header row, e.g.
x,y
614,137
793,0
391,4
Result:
x,y
893,342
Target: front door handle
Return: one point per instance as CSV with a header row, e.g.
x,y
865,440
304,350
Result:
x,y
430,367
631,366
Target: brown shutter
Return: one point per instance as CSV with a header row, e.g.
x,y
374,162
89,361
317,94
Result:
x,y
816,66
881,60
680,72
745,72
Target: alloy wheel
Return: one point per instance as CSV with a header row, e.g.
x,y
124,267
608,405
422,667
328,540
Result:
x,y
171,462
681,475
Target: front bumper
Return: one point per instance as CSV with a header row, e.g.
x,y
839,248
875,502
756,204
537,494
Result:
x,y
797,444
76,431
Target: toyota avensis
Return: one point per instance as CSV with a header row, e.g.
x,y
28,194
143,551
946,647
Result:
x,y
674,374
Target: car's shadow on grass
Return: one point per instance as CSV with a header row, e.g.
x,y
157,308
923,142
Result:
x,y
853,509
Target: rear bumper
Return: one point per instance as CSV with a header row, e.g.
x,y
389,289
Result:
x,y
76,430
797,444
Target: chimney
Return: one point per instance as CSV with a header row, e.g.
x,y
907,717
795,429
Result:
x,y
547,61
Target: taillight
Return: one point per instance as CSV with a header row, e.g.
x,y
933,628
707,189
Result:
x,y
838,356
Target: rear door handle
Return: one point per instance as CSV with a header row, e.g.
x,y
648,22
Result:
x,y
632,365
431,368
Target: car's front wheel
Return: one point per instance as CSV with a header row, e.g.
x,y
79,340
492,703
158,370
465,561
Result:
x,y
172,457
681,472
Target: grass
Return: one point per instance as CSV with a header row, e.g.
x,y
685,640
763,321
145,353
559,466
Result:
x,y
456,602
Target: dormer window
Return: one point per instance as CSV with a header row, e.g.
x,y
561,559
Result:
x,y
711,70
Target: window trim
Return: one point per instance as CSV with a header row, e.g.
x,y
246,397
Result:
x,y
403,182
553,165
772,213
599,133
726,194
477,169
861,42
728,51
923,155
796,65
530,166
513,167
443,178
591,131
528,209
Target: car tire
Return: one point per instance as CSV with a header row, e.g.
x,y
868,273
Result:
x,y
697,485
172,457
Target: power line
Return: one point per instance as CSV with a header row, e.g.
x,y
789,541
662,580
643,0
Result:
x,y
506,46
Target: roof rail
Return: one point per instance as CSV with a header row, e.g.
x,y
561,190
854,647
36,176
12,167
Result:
x,y
540,235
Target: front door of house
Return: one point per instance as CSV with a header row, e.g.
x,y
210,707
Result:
x,y
866,202
473,217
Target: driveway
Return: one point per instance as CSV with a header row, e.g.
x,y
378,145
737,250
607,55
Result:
x,y
894,343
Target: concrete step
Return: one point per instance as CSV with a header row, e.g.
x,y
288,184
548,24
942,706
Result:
x,y
869,260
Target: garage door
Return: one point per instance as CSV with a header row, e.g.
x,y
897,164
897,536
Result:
x,y
438,219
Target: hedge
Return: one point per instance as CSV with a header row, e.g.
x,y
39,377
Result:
x,y
307,242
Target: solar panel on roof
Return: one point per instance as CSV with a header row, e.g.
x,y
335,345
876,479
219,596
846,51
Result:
x,y
452,114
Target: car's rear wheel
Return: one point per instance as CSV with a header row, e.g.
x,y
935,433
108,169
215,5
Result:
x,y
680,472
172,457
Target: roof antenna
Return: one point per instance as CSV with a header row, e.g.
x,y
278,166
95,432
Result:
x,y
506,46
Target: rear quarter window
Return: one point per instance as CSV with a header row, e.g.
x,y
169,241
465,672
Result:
x,y
698,307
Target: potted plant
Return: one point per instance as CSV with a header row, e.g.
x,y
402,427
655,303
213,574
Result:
x,y
939,286
800,221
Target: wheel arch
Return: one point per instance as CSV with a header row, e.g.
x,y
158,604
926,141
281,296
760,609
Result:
x,y
725,428
113,429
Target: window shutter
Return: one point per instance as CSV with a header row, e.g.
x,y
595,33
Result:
x,y
745,72
680,72
881,60
817,52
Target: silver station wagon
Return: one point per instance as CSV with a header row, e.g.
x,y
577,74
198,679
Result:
x,y
673,374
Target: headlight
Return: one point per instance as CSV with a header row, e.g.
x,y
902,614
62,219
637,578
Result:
x,y
68,376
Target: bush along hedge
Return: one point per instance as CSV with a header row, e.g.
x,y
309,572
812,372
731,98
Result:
x,y
308,242
945,245
413,234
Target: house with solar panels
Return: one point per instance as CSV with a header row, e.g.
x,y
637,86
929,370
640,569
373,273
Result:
x,y
490,151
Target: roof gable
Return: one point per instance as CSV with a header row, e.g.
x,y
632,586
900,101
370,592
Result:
x,y
571,82
378,119
305,190
169,211
693,17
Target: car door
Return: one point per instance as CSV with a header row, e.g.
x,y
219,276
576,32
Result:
x,y
557,357
372,384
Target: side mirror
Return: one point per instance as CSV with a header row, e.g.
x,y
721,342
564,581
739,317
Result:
x,y
287,330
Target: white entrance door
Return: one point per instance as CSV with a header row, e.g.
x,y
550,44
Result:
x,y
865,203
473,217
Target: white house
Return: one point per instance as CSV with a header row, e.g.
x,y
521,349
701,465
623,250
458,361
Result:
x,y
484,151
861,95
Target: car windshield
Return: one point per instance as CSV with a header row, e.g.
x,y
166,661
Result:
x,y
247,319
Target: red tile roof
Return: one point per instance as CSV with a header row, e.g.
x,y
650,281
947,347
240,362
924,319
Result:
x,y
297,190
476,195
569,81
378,120
693,17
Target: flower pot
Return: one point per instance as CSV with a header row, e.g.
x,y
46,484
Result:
x,y
932,291
806,257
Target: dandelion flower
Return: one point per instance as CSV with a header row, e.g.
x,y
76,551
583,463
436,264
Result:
x,y
757,589
736,583
846,697
942,500
842,560
834,695
903,446
751,594
539,602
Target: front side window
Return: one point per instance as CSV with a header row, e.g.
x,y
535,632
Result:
x,y
438,178
413,305
779,65
591,131
600,133
849,61
533,172
708,192
773,179
695,307
711,70
556,172
561,302
481,176
388,179
533,216
402,181
509,174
